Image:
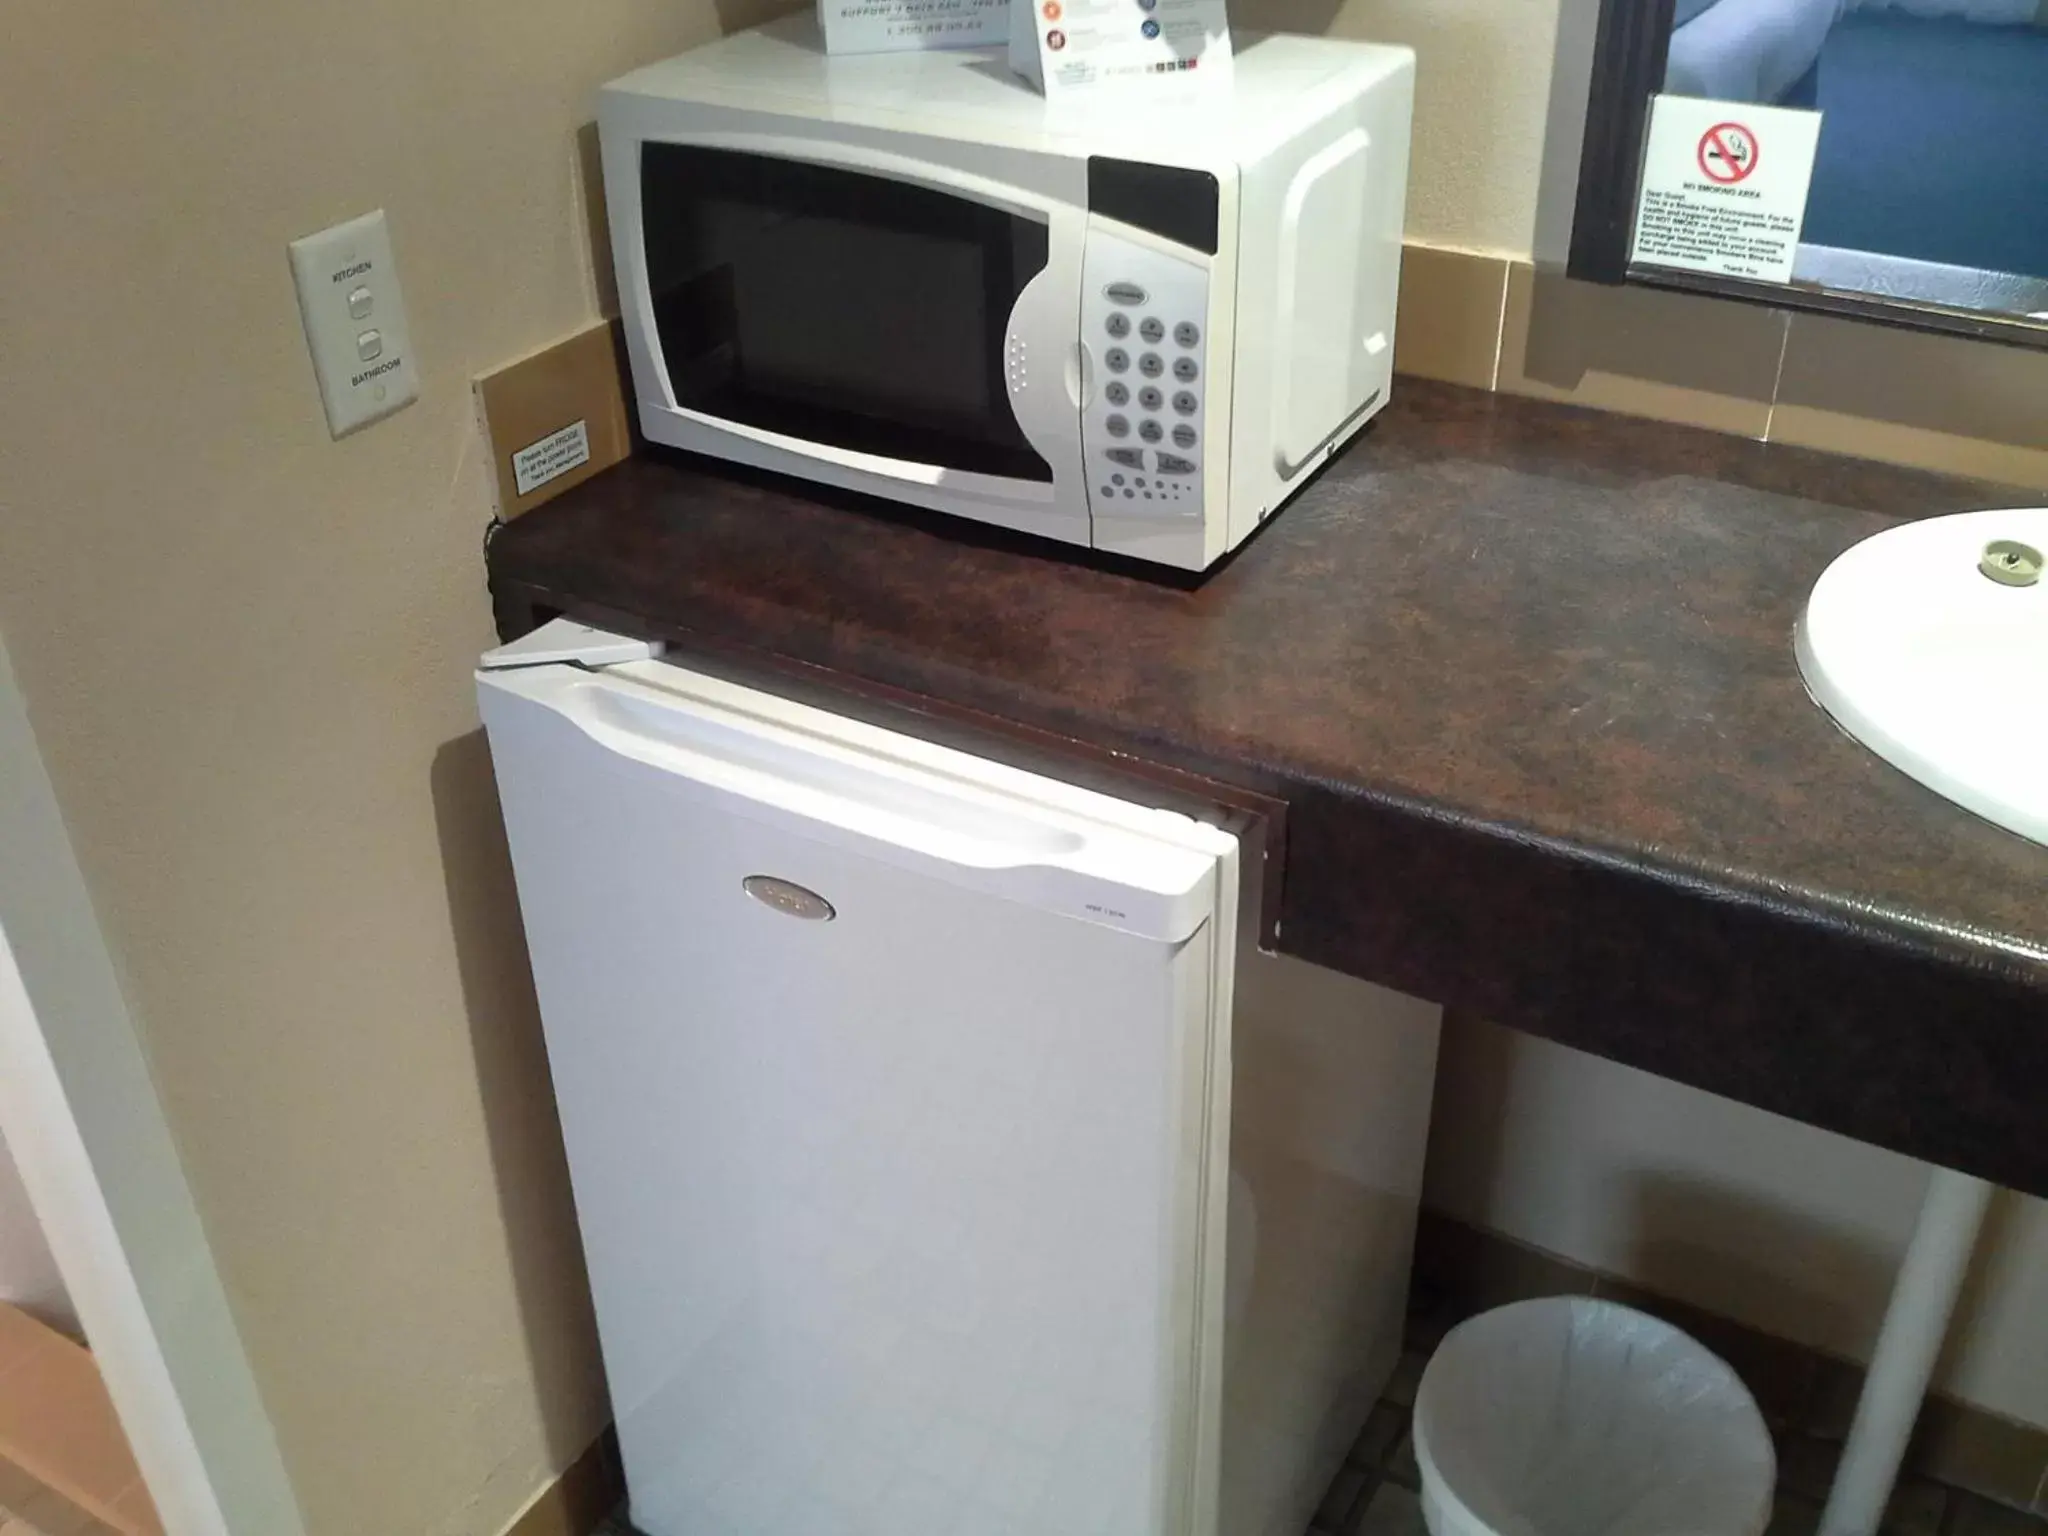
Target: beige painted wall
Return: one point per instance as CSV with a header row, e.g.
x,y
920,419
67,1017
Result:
x,y
1791,1229
246,652
1481,102
28,1272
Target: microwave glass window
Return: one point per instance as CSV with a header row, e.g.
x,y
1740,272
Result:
x,y
836,307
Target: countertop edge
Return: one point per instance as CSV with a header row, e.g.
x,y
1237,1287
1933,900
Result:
x,y
1910,936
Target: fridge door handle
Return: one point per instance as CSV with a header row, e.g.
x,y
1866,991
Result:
x,y
819,779
911,802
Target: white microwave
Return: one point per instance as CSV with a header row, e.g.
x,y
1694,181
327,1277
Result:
x,y
1139,330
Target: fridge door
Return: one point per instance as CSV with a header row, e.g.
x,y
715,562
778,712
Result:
x,y
895,1091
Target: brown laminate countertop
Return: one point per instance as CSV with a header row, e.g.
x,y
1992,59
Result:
x,y
1524,676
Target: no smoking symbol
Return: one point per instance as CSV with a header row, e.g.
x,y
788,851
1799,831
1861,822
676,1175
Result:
x,y
1728,153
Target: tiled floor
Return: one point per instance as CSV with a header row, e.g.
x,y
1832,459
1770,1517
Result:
x,y
27,1508
1375,1495
1376,1492
65,1465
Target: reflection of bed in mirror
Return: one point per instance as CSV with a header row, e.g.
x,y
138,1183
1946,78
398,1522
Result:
x,y
1750,50
1769,50
1929,184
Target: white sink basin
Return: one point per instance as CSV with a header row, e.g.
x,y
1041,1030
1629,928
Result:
x,y
1936,665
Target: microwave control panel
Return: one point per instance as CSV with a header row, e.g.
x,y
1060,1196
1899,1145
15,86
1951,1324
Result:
x,y
1143,321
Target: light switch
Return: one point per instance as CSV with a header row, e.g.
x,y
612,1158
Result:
x,y
343,274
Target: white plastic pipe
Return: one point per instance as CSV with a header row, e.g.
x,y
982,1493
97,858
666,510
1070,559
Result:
x,y
1915,1324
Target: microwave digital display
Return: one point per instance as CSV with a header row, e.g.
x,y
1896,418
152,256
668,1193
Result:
x,y
838,307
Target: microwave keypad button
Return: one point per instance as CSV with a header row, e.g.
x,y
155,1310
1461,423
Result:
x,y
1150,398
1116,359
1117,392
1185,370
1117,426
1151,431
1130,458
1187,333
1125,293
1184,401
1183,436
1173,464
1151,330
1119,324
1150,365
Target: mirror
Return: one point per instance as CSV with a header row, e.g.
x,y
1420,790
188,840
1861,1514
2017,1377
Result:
x,y
1931,182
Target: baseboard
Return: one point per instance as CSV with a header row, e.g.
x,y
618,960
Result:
x,y
578,1501
1807,1395
1449,323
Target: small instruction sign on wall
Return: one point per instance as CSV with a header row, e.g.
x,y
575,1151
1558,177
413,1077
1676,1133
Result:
x,y
1724,187
554,455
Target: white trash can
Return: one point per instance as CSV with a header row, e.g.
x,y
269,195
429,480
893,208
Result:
x,y
1574,1417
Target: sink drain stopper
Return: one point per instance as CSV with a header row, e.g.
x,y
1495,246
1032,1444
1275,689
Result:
x,y
2011,563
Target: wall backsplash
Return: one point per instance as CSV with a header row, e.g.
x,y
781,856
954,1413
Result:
x,y
1936,402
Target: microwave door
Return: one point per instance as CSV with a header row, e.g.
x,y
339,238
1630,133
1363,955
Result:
x,y
889,328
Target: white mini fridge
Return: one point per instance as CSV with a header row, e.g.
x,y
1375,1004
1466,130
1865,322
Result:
x,y
945,1162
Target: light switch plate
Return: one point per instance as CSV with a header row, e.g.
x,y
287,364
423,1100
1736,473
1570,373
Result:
x,y
355,322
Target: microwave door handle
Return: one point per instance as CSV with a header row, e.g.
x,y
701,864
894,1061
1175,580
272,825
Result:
x,y
1047,370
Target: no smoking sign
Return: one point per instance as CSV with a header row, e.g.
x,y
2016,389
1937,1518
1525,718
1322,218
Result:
x,y
1728,153
1712,200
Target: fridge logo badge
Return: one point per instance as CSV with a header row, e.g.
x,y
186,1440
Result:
x,y
789,899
